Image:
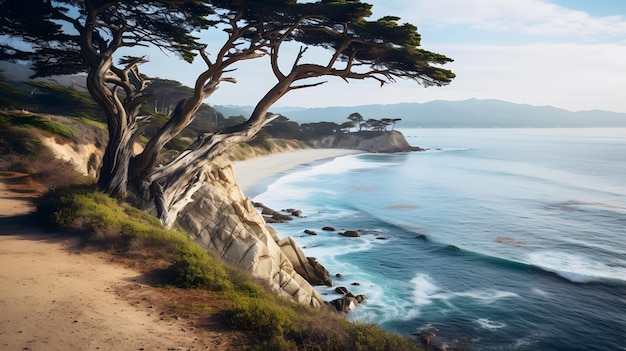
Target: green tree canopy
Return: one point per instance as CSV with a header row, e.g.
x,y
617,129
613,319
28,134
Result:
x,y
65,36
357,119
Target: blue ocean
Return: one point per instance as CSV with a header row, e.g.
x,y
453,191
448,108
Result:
x,y
496,239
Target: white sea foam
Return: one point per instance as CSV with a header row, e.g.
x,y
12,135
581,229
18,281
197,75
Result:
x,y
528,340
378,307
449,149
330,246
289,187
576,268
337,165
424,289
381,305
281,193
426,292
384,305
540,292
486,296
486,323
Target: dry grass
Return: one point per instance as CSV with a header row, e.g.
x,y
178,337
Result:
x,y
43,168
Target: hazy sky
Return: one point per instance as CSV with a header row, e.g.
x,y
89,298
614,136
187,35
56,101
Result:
x,y
565,53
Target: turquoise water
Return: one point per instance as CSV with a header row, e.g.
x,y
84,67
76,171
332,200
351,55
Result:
x,y
503,239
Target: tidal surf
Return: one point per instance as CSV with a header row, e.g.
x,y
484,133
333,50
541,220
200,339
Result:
x,y
498,239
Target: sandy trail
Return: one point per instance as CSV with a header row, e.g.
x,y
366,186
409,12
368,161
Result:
x,y
55,297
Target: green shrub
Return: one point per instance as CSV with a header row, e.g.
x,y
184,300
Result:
x,y
367,337
20,119
263,140
178,144
253,290
277,343
61,100
15,140
261,315
195,268
113,224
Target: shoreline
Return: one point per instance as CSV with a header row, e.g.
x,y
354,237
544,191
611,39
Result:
x,y
249,173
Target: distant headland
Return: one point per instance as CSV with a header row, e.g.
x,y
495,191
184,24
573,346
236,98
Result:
x,y
472,113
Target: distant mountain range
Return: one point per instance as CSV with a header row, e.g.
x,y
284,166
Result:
x,y
471,113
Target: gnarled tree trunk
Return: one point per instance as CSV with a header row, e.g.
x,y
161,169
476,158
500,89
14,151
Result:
x,y
181,178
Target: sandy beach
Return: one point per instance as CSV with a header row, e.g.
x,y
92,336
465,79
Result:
x,y
250,172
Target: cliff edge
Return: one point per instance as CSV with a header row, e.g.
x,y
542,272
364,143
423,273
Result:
x,y
370,141
223,220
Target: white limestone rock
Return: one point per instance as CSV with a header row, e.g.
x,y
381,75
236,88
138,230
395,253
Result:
x,y
223,220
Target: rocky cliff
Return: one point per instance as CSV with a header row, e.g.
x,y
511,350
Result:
x,y
370,141
222,220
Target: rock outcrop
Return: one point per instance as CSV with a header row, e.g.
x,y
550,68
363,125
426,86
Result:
x,y
348,302
370,141
350,233
222,220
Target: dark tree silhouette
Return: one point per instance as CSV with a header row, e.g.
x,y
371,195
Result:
x,y
357,119
394,121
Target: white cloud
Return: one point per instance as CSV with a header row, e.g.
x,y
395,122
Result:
x,y
529,17
574,77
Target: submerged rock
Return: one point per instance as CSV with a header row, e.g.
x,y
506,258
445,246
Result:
x,y
344,304
272,216
350,233
342,290
348,302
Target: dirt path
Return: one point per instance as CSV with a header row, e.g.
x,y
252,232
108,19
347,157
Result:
x,y
53,296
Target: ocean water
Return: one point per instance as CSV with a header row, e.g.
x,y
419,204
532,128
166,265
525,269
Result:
x,y
501,239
